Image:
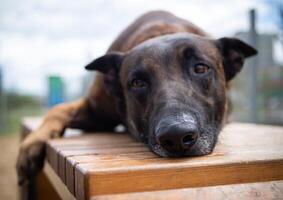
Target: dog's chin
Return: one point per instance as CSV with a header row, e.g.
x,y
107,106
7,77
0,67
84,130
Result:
x,y
203,146
194,151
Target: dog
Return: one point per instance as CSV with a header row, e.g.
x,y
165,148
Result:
x,y
163,78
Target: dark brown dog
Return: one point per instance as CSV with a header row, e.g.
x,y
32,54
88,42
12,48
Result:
x,y
163,78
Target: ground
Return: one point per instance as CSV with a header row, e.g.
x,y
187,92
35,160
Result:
x,y
9,149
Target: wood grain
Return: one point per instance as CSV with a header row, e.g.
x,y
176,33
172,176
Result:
x,y
259,191
103,164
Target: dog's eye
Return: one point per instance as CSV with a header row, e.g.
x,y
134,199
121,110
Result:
x,y
138,83
201,68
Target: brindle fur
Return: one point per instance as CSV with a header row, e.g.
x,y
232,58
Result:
x,y
164,60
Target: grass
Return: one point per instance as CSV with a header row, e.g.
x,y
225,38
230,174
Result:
x,y
18,106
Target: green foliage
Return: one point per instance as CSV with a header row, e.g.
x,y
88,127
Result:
x,y
16,101
14,108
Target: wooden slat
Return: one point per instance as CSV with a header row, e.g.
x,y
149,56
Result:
x,y
70,150
258,191
72,161
57,184
63,155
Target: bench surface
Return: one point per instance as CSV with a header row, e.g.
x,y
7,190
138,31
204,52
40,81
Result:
x,y
111,163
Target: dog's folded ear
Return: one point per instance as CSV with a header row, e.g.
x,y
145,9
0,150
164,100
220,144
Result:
x,y
109,65
106,63
234,52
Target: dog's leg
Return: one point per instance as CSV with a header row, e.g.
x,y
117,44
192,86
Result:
x,y
32,149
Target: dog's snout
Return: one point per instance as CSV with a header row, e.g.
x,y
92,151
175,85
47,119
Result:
x,y
177,137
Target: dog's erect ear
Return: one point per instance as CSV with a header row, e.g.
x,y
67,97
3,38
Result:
x,y
109,65
234,52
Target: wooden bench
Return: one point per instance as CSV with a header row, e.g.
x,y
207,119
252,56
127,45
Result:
x,y
247,163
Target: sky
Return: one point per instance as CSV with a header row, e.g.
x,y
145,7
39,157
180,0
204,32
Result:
x,y
51,37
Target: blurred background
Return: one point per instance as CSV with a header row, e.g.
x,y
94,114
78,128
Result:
x,y
44,46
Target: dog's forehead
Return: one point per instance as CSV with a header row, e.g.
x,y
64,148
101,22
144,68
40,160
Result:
x,y
162,47
171,40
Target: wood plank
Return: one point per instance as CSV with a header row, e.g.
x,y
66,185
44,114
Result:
x,y
57,184
258,191
147,179
72,161
63,155
44,188
93,145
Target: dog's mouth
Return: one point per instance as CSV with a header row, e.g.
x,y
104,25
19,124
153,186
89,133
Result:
x,y
203,145
196,150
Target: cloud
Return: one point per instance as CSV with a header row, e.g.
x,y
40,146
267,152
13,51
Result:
x,y
59,37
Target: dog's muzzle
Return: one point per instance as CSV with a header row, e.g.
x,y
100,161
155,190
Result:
x,y
177,134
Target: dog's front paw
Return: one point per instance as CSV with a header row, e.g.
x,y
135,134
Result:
x,y
30,159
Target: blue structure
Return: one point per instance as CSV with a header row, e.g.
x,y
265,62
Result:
x,y
55,90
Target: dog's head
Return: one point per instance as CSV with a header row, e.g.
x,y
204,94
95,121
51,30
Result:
x,y
171,90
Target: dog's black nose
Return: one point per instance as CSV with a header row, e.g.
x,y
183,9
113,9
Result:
x,y
177,137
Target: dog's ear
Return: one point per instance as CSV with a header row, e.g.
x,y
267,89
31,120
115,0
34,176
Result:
x,y
234,52
106,63
109,65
